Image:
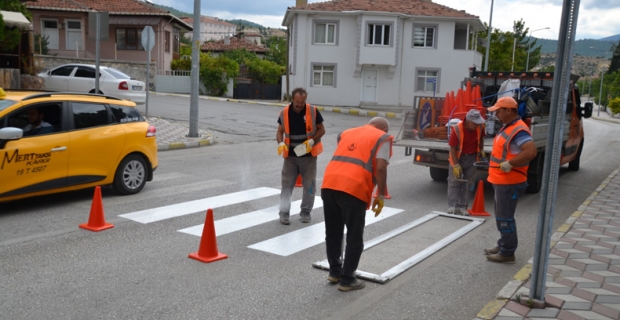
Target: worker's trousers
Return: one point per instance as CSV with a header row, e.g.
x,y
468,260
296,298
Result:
x,y
506,197
340,209
293,167
459,192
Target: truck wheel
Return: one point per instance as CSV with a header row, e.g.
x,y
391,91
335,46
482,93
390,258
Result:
x,y
535,173
439,174
574,165
130,175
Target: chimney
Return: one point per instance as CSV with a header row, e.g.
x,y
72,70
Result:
x,y
301,3
226,39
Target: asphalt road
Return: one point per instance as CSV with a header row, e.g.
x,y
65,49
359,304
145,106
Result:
x,y
51,269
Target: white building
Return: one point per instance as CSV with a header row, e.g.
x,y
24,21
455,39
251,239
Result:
x,y
211,28
379,53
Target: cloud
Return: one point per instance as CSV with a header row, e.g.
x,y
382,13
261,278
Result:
x,y
597,18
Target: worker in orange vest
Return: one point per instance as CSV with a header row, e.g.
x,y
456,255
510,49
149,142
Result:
x,y
300,125
360,160
513,149
466,147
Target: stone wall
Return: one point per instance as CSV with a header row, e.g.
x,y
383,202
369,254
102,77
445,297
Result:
x,y
134,69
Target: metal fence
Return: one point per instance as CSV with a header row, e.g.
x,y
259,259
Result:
x,y
259,91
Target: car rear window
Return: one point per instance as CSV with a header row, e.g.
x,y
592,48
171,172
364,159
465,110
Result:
x,y
117,73
123,114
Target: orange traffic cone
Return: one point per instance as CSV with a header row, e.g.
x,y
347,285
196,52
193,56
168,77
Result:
x,y
96,220
478,208
298,183
207,251
387,194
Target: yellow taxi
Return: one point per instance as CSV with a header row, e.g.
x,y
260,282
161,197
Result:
x,y
53,142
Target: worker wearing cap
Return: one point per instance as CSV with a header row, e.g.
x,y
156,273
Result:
x,y
513,149
466,147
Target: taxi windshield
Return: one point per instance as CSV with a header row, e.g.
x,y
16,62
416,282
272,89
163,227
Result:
x,y
6,103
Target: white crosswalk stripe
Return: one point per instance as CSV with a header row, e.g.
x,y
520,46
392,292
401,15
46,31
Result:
x,y
305,238
250,219
185,208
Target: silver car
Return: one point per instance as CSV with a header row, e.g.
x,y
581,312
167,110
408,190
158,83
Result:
x,y
81,78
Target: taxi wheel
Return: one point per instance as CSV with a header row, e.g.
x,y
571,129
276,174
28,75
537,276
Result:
x,y
130,175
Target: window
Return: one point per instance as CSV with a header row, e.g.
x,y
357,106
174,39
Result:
x,y
424,37
325,33
379,34
129,39
63,71
427,80
323,75
75,25
176,44
124,114
83,72
167,41
50,24
51,114
87,115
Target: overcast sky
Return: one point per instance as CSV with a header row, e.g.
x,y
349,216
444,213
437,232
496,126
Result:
x,y
596,17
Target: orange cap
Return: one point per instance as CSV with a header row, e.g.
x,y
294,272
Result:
x,y
505,102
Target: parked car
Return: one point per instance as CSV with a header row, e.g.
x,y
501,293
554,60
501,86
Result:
x,y
81,78
54,142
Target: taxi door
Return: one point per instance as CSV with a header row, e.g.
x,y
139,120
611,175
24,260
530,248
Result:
x,y
35,163
96,144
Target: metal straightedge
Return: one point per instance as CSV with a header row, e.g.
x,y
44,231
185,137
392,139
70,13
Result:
x,y
415,259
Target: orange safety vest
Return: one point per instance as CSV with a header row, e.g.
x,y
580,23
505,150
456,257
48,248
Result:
x,y
460,127
317,148
352,169
501,153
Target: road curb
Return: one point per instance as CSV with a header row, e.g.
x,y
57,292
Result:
x,y
341,110
186,145
492,308
606,119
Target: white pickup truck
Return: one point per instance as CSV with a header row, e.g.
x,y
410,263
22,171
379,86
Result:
x,y
433,152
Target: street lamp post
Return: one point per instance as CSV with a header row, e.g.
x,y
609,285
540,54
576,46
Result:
x,y
486,57
527,64
600,94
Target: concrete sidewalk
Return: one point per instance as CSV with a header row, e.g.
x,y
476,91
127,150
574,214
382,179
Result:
x,y
171,136
583,275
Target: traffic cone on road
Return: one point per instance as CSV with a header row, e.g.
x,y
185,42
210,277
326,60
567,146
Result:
x,y
478,208
207,251
298,183
387,194
96,220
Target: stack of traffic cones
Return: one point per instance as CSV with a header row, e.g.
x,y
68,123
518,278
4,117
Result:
x,y
207,251
478,208
96,220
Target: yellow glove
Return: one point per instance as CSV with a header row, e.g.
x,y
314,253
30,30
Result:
x,y
505,166
377,205
309,143
281,148
483,155
457,171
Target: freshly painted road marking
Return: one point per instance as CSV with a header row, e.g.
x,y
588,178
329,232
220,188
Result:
x,y
305,238
185,208
250,219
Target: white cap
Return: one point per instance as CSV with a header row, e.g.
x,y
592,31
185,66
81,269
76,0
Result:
x,y
474,116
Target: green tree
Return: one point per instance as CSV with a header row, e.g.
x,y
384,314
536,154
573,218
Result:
x,y
276,50
240,55
214,72
40,44
264,71
503,44
9,37
615,58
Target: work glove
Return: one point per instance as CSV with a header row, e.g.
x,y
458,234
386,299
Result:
x,y
377,205
505,166
309,143
483,155
281,148
457,170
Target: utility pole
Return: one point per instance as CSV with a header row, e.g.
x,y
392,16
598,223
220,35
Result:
x,y
486,56
193,102
600,94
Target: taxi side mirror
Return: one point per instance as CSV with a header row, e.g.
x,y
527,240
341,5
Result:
x,y
7,134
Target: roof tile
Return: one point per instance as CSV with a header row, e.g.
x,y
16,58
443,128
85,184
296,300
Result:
x,y
111,6
235,43
409,7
